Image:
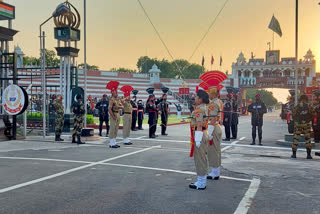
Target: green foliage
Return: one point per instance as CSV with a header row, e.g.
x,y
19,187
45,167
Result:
x,y
89,67
90,119
171,69
126,70
266,96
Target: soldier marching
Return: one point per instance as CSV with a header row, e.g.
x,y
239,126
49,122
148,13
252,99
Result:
x,y
78,110
59,122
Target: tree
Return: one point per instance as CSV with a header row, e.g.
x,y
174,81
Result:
x,y
266,96
125,70
89,67
51,59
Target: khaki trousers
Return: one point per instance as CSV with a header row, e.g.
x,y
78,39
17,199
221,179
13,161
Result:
x,y
127,122
114,126
214,151
200,157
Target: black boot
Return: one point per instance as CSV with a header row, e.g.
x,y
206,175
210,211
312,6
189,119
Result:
x,y
74,139
260,142
57,138
253,142
100,133
79,140
294,154
60,139
309,154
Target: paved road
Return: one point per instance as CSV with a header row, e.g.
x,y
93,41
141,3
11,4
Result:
x,y
152,176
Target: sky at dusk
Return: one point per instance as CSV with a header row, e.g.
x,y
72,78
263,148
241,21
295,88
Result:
x,y
119,33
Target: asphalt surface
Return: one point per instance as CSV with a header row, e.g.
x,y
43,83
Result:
x,y
152,176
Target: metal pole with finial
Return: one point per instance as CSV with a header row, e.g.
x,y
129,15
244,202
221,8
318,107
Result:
x,y
296,52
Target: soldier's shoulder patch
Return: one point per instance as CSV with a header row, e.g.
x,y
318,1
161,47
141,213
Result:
x,y
211,107
198,115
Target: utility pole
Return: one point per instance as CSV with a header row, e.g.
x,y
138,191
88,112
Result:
x,y
296,52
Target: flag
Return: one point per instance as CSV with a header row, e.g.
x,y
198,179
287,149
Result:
x,y
220,60
275,26
212,60
202,61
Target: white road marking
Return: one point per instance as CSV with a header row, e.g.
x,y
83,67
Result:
x,y
141,137
229,146
246,201
242,138
170,170
90,164
70,171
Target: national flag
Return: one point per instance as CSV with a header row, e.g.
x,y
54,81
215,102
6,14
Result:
x,y
220,60
7,11
275,26
212,60
202,61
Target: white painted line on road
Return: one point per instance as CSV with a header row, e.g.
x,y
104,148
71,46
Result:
x,y
242,138
170,170
229,146
70,171
246,201
45,159
141,137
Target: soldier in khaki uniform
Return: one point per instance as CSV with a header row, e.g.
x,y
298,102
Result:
x,y
78,110
114,107
211,83
199,139
59,122
127,116
303,114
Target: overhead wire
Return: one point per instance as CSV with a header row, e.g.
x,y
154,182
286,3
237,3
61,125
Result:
x,y
162,41
209,28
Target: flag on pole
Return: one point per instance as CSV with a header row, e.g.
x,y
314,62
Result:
x,y
220,60
202,61
275,26
212,60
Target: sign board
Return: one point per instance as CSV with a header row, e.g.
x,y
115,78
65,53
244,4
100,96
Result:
x,y
184,91
66,34
7,11
310,89
15,100
272,57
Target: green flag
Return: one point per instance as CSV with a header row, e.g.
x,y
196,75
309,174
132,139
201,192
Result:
x,y
275,26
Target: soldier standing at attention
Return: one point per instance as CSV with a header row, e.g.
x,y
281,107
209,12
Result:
x,y
102,106
303,114
164,111
212,79
140,114
316,118
127,114
257,109
152,113
235,117
227,117
59,122
114,107
134,110
200,139
78,110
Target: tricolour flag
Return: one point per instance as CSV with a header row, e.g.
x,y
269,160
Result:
x,y
7,11
275,26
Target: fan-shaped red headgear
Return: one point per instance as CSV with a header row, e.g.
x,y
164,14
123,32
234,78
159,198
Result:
x,y
126,89
213,79
113,86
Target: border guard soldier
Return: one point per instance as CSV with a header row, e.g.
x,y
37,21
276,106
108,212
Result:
x,y
140,114
78,109
127,114
227,117
102,106
235,116
134,110
257,109
164,111
114,107
200,139
152,112
59,122
212,80
303,114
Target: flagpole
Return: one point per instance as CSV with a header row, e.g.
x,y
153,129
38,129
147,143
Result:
x,y
296,53
272,40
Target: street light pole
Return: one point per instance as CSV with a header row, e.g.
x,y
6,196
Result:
x,y
296,53
85,61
